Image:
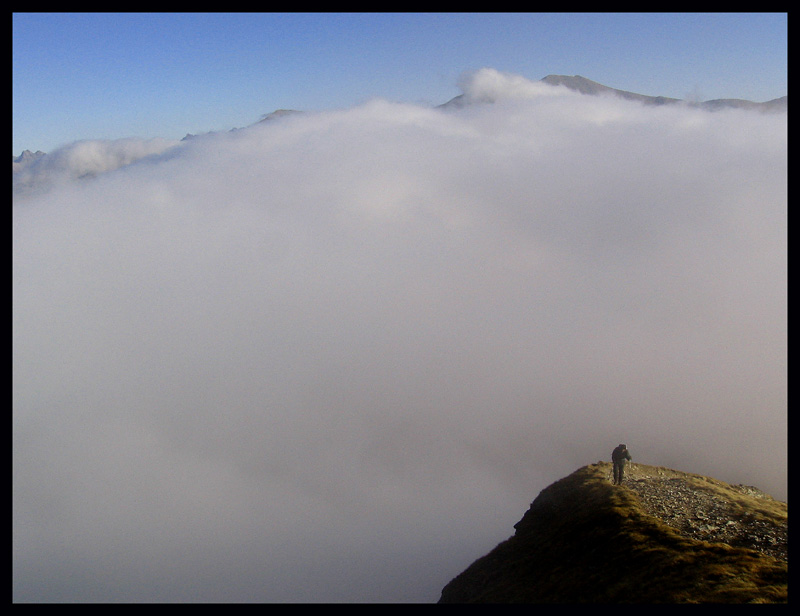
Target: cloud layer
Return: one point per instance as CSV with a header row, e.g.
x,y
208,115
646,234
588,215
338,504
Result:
x,y
334,356
80,160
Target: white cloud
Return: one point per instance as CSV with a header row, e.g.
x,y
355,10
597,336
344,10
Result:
x,y
83,159
488,85
335,356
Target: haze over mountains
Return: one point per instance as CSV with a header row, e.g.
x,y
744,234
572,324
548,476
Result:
x,y
576,83
332,356
592,88
587,86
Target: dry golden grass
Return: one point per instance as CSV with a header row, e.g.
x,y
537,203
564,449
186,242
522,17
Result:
x,y
585,540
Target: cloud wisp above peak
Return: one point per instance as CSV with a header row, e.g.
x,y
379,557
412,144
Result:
x,y
490,85
332,357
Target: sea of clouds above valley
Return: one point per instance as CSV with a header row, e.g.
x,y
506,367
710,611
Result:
x,y
333,356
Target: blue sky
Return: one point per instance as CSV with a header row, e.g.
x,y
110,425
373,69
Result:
x,y
112,75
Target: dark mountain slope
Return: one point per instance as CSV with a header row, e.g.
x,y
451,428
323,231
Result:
x,y
586,540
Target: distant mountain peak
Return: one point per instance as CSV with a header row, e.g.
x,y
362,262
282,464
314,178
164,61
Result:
x,y
278,113
575,82
586,86
27,156
664,536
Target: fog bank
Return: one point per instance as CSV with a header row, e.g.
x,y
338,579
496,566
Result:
x,y
334,356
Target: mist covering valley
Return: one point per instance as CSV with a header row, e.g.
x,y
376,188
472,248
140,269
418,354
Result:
x,y
332,356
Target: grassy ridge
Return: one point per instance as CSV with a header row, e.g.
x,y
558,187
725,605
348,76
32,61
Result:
x,y
585,540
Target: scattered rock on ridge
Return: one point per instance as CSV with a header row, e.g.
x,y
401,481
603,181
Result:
x,y
664,536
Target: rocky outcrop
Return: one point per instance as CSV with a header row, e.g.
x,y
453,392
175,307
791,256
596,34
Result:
x,y
664,536
708,510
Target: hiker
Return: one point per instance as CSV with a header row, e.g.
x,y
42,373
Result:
x,y
619,456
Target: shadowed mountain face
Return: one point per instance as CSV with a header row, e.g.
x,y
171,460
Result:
x,y
663,537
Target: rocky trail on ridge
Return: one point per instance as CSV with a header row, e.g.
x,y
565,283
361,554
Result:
x,y
711,512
